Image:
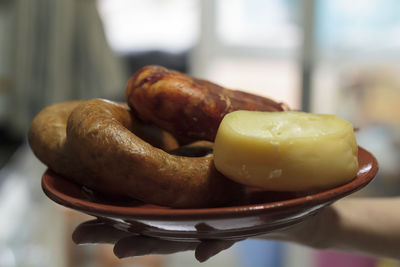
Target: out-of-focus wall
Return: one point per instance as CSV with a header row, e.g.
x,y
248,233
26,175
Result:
x,y
5,64
57,51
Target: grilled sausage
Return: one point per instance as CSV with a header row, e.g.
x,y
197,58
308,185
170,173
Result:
x,y
189,108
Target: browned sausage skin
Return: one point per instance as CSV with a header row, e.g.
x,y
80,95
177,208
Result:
x,y
47,139
102,151
98,133
190,108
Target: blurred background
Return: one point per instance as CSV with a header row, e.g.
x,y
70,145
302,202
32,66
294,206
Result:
x,y
324,56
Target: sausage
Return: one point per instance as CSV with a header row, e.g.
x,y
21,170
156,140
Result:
x,y
189,108
47,139
98,133
102,141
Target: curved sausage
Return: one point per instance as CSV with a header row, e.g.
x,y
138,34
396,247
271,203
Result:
x,y
47,139
99,135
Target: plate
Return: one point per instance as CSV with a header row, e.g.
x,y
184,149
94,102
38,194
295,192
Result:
x,y
262,212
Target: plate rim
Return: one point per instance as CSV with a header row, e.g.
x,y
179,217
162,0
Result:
x,y
160,212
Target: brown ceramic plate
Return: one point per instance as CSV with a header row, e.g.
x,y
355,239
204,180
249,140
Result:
x,y
262,212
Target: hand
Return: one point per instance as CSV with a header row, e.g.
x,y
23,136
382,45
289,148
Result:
x,y
312,232
128,244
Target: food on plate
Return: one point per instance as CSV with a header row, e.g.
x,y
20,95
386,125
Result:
x,y
189,108
144,148
105,149
286,151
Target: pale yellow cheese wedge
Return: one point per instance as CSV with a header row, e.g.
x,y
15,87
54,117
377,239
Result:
x,y
286,151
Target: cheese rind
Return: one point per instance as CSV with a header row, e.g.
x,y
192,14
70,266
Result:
x,y
286,151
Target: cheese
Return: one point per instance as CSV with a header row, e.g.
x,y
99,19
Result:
x,y
286,151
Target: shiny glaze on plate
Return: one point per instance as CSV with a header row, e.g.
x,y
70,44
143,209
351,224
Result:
x,y
260,213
